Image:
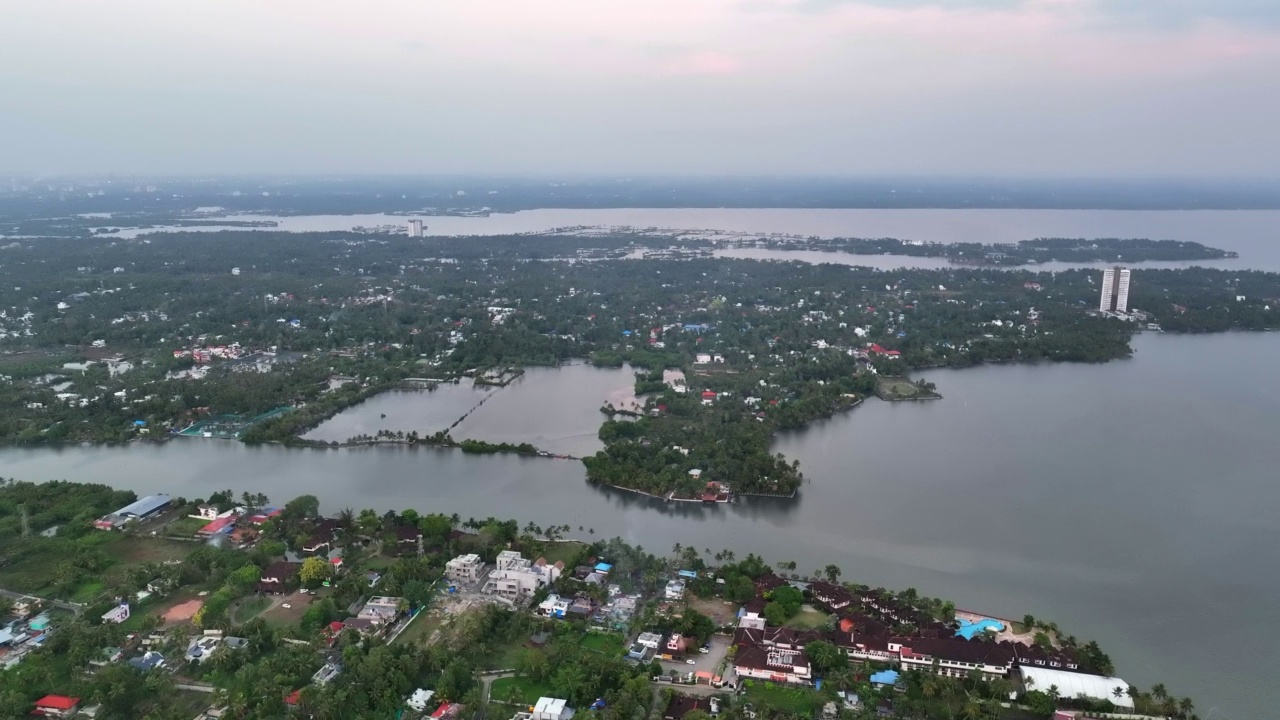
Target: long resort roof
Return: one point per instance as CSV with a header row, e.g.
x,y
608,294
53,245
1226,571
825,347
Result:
x,y
1072,685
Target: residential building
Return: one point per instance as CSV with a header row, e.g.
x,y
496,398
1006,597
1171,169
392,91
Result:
x,y
516,577
117,614
380,610
409,538
199,649
327,673
464,569
150,660
676,644
420,700
649,640
552,709
554,607
56,706
278,577
415,228
674,590
1115,291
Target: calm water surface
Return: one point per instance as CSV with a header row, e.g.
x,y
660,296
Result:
x,y
554,409
1255,234
1133,502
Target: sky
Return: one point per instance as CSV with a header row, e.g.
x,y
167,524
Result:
x,y
1046,88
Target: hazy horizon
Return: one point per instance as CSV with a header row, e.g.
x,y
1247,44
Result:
x,y
1070,89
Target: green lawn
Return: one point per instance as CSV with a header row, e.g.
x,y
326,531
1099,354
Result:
x,y
564,552
185,527
425,623
248,609
789,700
507,656
522,691
807,619
88,591
604,643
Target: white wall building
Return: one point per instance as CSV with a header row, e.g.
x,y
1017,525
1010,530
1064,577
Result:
x,y
415,228
515,577
464,568
1115,291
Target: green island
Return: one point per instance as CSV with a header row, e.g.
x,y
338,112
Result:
x,y
114,609
108,340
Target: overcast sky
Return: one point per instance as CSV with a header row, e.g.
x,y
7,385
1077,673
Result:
x,y
848,87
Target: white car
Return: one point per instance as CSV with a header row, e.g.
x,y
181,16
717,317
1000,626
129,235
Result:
x,y
690,662
286,606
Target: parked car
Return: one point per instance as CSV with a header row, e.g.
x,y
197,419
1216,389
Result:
x,y
690,661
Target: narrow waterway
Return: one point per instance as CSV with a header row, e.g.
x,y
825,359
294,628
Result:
x,y
1133,502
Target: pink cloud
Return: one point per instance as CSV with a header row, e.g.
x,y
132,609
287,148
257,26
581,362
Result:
x,y
703,62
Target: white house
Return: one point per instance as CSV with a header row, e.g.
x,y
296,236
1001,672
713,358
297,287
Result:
x,y
649,640
674,590
420,700
552,709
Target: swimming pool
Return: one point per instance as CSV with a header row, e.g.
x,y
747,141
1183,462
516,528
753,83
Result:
x,y
969,629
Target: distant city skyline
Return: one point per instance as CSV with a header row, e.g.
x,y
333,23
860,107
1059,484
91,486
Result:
x,y
1045,88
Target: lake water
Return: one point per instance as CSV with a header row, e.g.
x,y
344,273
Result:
x,y
1253,234
1133,502
554,409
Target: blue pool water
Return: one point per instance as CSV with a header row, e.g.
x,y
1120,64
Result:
x,y
969,629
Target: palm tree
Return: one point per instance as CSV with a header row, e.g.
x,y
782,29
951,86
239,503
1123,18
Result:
x,y
1159,692
972,710
1185,706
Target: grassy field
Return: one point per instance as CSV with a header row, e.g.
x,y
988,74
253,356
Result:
x,y
807,618
34,562
280,615
425,623
88,592
249,608
792,701
562,551
606,644
185,527
521,691
507,656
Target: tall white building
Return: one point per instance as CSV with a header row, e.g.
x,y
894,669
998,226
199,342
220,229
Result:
x,y
1115,290
415,228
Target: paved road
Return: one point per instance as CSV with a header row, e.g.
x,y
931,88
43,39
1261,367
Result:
x,y
486,679
76,608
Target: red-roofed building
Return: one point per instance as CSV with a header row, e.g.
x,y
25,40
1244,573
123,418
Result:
x,y
293,698
447,711
56,706
263,516
219,526
708,395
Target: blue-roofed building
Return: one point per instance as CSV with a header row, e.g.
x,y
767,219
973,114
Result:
x,y
689,574
603,568
150,661
141,509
